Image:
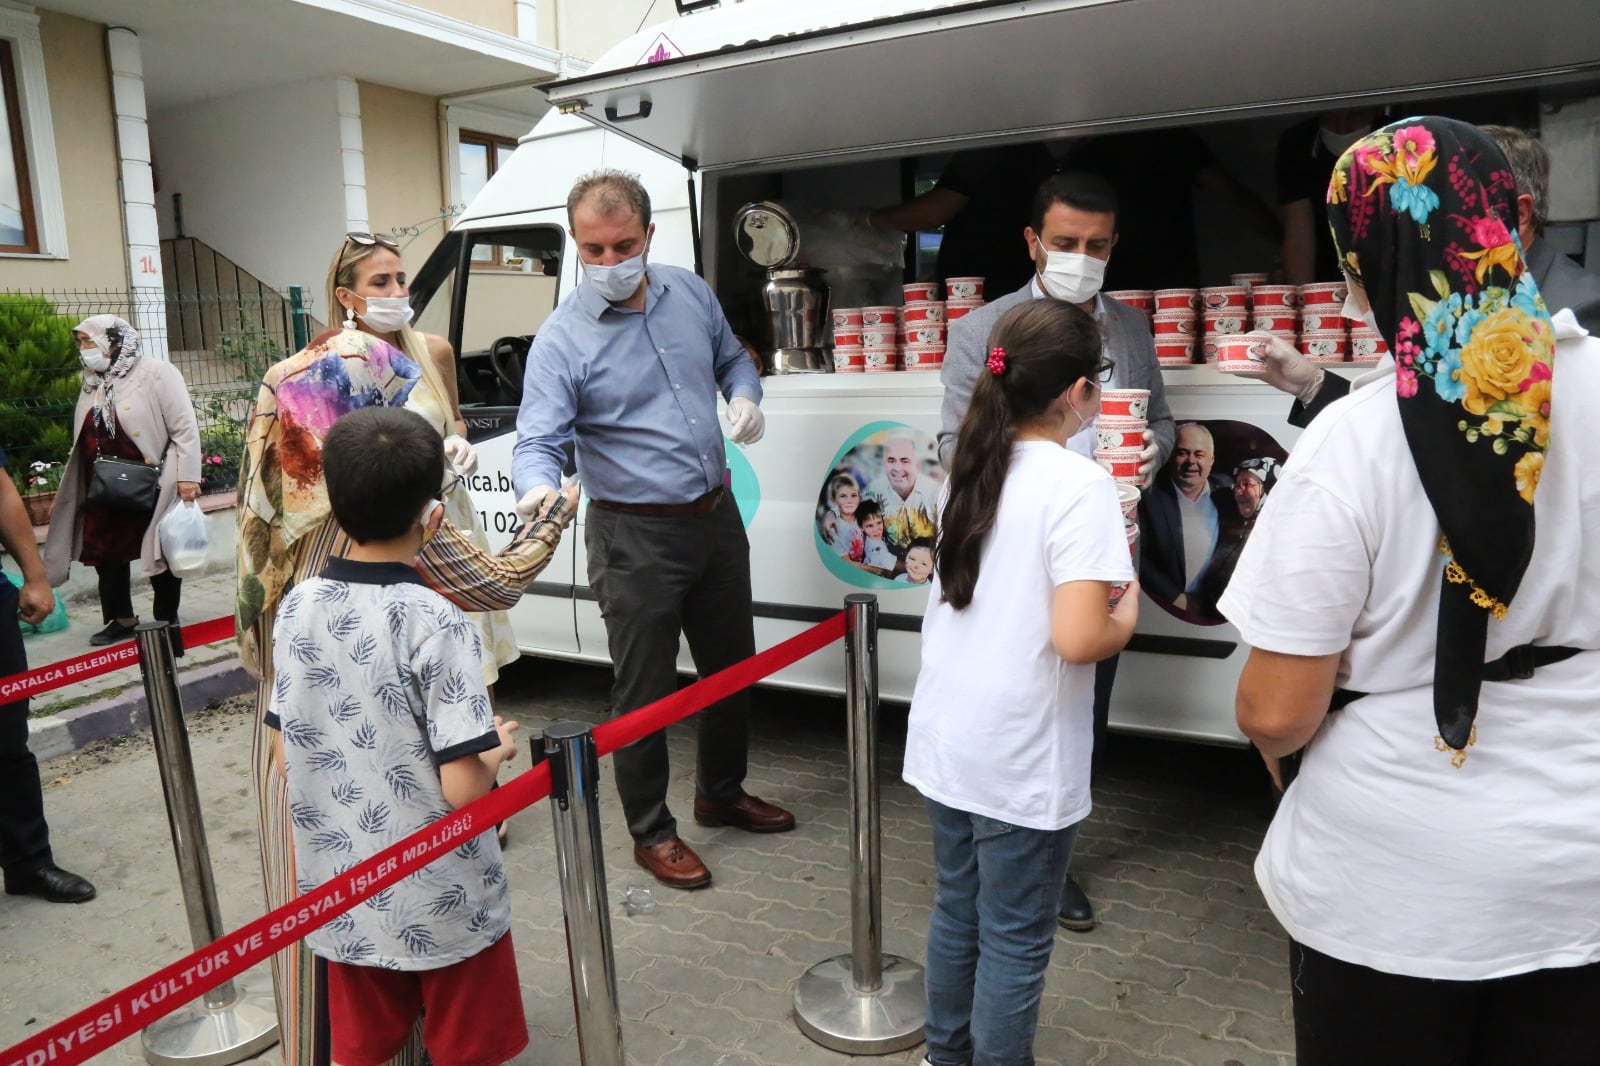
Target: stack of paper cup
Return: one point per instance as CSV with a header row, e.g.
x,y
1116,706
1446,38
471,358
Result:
x,y
1128,498
1275,309
880,340
964,288
1119,432
1366,345
848,355
917,291
954,308
1143,299
922,334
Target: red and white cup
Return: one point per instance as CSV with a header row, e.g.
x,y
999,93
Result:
x,y
1125,403
920,291
1173,324
922,356
1323,294
882,359
851,360
923,334
1366,345
1133,538
1117,436
964,288
1177,299
847,319
956,307
1175,350
1274,296
882,335
849,337
1118,590
1282,321
1226,320
1249,281
882,315
1328,346
1123,465
922,311
1225,298
1143,299
1128,499
1323,318
1243,355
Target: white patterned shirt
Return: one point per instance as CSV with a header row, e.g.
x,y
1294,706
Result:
x,y
379,683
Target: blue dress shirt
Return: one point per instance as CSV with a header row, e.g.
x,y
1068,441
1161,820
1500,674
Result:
x,y
637,390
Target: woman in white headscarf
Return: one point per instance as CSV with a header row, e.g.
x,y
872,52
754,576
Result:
x,y
136,409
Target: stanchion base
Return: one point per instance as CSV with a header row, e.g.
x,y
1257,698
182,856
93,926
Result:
x,y
829,1010
199,1035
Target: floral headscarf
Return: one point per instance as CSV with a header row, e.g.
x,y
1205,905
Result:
x,y
119,342
1423,213
1264,467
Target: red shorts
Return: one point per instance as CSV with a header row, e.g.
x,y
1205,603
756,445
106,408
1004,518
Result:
x,y
471,1011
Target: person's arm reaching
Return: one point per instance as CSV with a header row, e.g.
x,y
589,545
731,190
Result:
x,y
1299,247
16,533
738,378
926,212
544,424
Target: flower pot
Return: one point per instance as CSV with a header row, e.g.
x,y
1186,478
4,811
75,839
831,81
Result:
x,y
39,506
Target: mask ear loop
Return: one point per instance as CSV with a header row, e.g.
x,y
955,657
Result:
x,y
430,526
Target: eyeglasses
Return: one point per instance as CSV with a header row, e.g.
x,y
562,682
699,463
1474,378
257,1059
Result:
x,y
451,484
367,240
1104,370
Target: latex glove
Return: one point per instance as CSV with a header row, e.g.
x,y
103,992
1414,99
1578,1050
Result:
x,y
1148,457
746,423
462,456
1288,370
535,502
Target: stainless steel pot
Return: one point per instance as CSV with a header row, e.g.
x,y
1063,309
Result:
x,y
795,297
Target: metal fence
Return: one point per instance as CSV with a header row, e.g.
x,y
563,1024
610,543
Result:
x,y
221,342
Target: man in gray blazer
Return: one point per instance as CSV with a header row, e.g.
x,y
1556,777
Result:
x,y
1070,238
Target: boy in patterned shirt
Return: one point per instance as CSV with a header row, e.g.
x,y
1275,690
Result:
x,y
385,725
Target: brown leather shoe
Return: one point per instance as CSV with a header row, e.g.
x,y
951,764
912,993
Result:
x,y
673,863
747,813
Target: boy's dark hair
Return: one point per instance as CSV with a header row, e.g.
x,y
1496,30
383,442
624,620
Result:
x,y
1077,189
381,465
920,542
869,509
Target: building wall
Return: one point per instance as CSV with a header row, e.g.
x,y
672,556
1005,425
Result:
x,y
497,15
401,138
587,28
261,178
85,136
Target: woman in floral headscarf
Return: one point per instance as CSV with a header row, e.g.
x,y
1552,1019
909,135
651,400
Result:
x,y
1436,862
137,409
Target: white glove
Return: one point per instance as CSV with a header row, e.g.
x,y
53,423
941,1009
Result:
x,y
1148,456
746,423
462,456
1288,370
535,502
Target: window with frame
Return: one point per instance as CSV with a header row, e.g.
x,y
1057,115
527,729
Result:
x,y
18,226
480,156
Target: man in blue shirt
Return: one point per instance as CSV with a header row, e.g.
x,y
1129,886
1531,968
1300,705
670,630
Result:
x,y
628,369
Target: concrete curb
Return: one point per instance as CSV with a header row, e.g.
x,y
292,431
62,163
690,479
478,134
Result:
x,y
126,712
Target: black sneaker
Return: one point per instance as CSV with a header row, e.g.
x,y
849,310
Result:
x,y
113,632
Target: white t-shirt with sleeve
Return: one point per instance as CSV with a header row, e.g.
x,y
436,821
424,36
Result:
x,y
1000,724
1383,853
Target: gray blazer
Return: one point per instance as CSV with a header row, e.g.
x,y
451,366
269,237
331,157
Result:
x,y
1564,283
1127,341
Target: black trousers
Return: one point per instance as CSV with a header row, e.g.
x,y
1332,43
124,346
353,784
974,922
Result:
x,y
116,593
24,838
1346,1014
655,578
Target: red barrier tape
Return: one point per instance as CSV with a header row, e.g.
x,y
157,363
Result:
x,y
103,1025
44,679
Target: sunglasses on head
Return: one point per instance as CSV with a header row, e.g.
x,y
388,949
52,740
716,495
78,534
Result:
x,y
367,240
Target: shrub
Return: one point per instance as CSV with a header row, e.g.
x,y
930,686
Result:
x,y
39,383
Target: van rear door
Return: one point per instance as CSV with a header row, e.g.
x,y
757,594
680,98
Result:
x,y
962,75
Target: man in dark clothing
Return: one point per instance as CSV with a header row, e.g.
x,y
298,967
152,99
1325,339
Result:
x,y
25,858
1306,155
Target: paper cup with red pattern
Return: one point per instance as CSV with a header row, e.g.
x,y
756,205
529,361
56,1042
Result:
x,y
1119,434
916,291
847,319
1128,500
881,335
1143,299
1324,318
1119,589
1122,464
922,334
1234,298
1329,346
1175,351
882,359
1226,321
1281,321
1242,355
1263,297
881,315
918,312
1366,345
1324,294
922,357
1125,403
1177,299
1249,281
955,308
850,337
964,288
852,360
1173,324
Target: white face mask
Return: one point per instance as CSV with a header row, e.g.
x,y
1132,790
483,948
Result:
x,y
94,359
1071,276
1336,143
387,313
617,283
1349,310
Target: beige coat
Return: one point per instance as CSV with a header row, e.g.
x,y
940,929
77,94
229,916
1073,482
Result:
x,y
153,407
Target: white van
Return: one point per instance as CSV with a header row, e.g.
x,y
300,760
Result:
x,y
845,104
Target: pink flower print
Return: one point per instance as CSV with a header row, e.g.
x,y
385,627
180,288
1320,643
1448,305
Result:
x,y
1413,149
1488,231
1406,382
1539,371
1409,327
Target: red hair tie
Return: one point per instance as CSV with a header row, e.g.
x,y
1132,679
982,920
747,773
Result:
x,y
997,360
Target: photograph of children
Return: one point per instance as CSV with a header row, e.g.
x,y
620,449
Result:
x,y
878,507
1195,517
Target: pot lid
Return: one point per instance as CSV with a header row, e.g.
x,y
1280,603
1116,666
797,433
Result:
x,y
766,234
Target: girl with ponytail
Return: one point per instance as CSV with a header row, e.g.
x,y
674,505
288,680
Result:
x,y
1002,724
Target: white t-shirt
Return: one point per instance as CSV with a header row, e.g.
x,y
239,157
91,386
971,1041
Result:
x,y
1382,853
1000,724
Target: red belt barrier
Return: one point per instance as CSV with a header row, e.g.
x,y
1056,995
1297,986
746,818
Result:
x,y
44,679
103,1025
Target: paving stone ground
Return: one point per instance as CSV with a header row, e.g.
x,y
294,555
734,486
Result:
x,y
1187,965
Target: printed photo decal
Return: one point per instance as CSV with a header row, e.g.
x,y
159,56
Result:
x,y
875,516
1197,514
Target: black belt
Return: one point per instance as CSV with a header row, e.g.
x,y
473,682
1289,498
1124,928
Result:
x,y
704,505
1518,664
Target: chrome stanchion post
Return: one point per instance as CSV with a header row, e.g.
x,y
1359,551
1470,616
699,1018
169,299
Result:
x,y
866,1002
575,815
230,1023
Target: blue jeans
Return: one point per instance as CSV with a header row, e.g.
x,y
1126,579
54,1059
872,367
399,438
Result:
x,y
989,942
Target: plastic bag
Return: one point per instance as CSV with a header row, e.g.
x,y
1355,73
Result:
x,y
54,622
186,539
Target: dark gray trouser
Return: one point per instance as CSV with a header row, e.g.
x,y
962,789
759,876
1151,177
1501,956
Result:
x,y
24,840
655,578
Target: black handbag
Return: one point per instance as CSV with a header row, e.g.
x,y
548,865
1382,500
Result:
x,y
126,485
